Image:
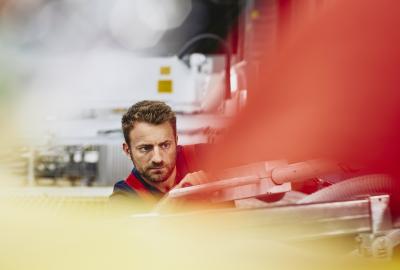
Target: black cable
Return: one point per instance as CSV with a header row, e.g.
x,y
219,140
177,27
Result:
x,y
188,45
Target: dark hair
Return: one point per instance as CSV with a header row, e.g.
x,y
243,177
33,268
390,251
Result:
x,y
148,111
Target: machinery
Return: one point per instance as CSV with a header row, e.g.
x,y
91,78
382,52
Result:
x,y
78,75
74,163
363,209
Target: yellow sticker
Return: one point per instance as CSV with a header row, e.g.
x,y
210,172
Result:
x,y
165,86
255,14
165,70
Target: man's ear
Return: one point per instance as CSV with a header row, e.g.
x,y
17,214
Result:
x,y
126,149
176,140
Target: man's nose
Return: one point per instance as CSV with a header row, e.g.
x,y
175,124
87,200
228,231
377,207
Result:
x,y
157,156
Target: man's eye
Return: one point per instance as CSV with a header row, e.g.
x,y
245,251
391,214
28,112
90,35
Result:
x,y
145,148
165,145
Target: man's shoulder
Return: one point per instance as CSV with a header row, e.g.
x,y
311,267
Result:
x,y
192,155
122,185
121,188
195,146
192,150
124,200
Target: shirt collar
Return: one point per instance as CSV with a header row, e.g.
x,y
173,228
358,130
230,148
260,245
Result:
x,y
149,187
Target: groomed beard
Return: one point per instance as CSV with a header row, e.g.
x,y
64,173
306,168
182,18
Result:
x,y
153,178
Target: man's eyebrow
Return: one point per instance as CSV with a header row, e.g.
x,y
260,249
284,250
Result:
x,y
144,145
167,141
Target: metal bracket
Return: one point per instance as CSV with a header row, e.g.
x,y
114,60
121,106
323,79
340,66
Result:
x,y
376,245
381,219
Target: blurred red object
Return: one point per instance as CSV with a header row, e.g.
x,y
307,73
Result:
x,y
331,92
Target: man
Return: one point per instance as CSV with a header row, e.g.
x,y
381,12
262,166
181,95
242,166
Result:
x,y
149,129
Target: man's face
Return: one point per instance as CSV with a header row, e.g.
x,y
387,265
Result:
x,y
152,150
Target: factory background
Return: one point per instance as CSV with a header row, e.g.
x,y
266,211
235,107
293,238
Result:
x,y
75,67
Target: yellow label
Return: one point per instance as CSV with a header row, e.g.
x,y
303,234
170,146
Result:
x,y
165,70
255,14
165,86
